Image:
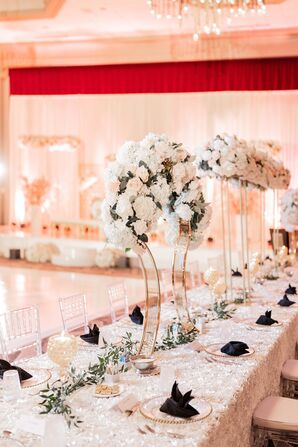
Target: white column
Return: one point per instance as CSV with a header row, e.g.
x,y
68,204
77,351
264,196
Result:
x,y
4,145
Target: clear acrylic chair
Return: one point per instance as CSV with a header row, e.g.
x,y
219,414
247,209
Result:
x,y
74,312
20,331
118,301
195,274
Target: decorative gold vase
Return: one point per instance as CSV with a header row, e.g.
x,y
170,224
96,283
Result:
x,y
152,311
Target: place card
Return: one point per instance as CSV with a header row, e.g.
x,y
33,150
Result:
x,y
31,424
128,405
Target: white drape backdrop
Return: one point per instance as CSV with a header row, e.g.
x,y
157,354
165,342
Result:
x,y
104,122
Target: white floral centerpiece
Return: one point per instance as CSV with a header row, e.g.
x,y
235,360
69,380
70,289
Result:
x,y
151,178
40,253
289,210
234,159
108,257
225,156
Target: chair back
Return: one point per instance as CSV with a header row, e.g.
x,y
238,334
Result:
x,y
19,331
118,301
74,312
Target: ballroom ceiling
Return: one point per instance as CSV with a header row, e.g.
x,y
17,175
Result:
x,y
58,20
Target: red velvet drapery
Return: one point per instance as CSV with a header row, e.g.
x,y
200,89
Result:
x,y
202,76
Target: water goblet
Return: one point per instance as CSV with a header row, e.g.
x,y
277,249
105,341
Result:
x,y
11,385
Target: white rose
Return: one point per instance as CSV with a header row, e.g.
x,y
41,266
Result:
x,y
128,152
181,154
178,171
143,173
206,155
123,207
161,191
162,150
144,208
218,145
140,227
113,185
215,155
134,185
184,211
228,169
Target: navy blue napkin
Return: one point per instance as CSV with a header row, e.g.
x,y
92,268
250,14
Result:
x,y
285,301
136,316
266,319
235,348
92,336
178,404
291,290
6,366
236,272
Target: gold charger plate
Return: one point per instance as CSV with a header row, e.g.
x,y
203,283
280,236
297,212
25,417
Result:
x,y
40,376
214,349
150,410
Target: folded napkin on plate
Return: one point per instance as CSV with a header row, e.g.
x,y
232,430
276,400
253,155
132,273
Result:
x,y
285,301
136,316
235,348
236,272
6,366
291,290
266,319
178,404
92,336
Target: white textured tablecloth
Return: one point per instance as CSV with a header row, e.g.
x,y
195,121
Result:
x,y
233,388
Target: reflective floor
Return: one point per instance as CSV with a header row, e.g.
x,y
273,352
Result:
x,y
20,287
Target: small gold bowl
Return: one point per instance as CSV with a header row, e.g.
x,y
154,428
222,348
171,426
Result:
x,y
142,363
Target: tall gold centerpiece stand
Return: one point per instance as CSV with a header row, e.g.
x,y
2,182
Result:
x,y
152,303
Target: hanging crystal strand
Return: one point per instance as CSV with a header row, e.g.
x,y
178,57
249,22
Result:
x,y
242,240
229,242
246,237
223,232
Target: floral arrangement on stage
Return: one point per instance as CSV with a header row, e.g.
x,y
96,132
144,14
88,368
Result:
x,y
234,159
150,179
35,192
289,210
108,257
40,253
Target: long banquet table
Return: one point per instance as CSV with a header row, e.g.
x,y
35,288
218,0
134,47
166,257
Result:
x,y
233,386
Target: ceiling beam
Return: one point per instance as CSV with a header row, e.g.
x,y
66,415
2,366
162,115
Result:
x,y
236,45
49,10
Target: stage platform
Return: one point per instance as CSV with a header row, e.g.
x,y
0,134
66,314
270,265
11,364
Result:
x,y
86,248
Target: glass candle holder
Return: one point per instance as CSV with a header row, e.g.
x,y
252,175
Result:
x,y
61,350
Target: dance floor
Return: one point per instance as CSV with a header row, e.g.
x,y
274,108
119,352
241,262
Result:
x,y
21,287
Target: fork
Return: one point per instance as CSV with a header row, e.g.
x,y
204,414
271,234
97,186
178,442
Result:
x,y
152,431
169,433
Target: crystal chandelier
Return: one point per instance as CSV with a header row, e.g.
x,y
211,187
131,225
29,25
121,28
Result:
x,y
209,15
